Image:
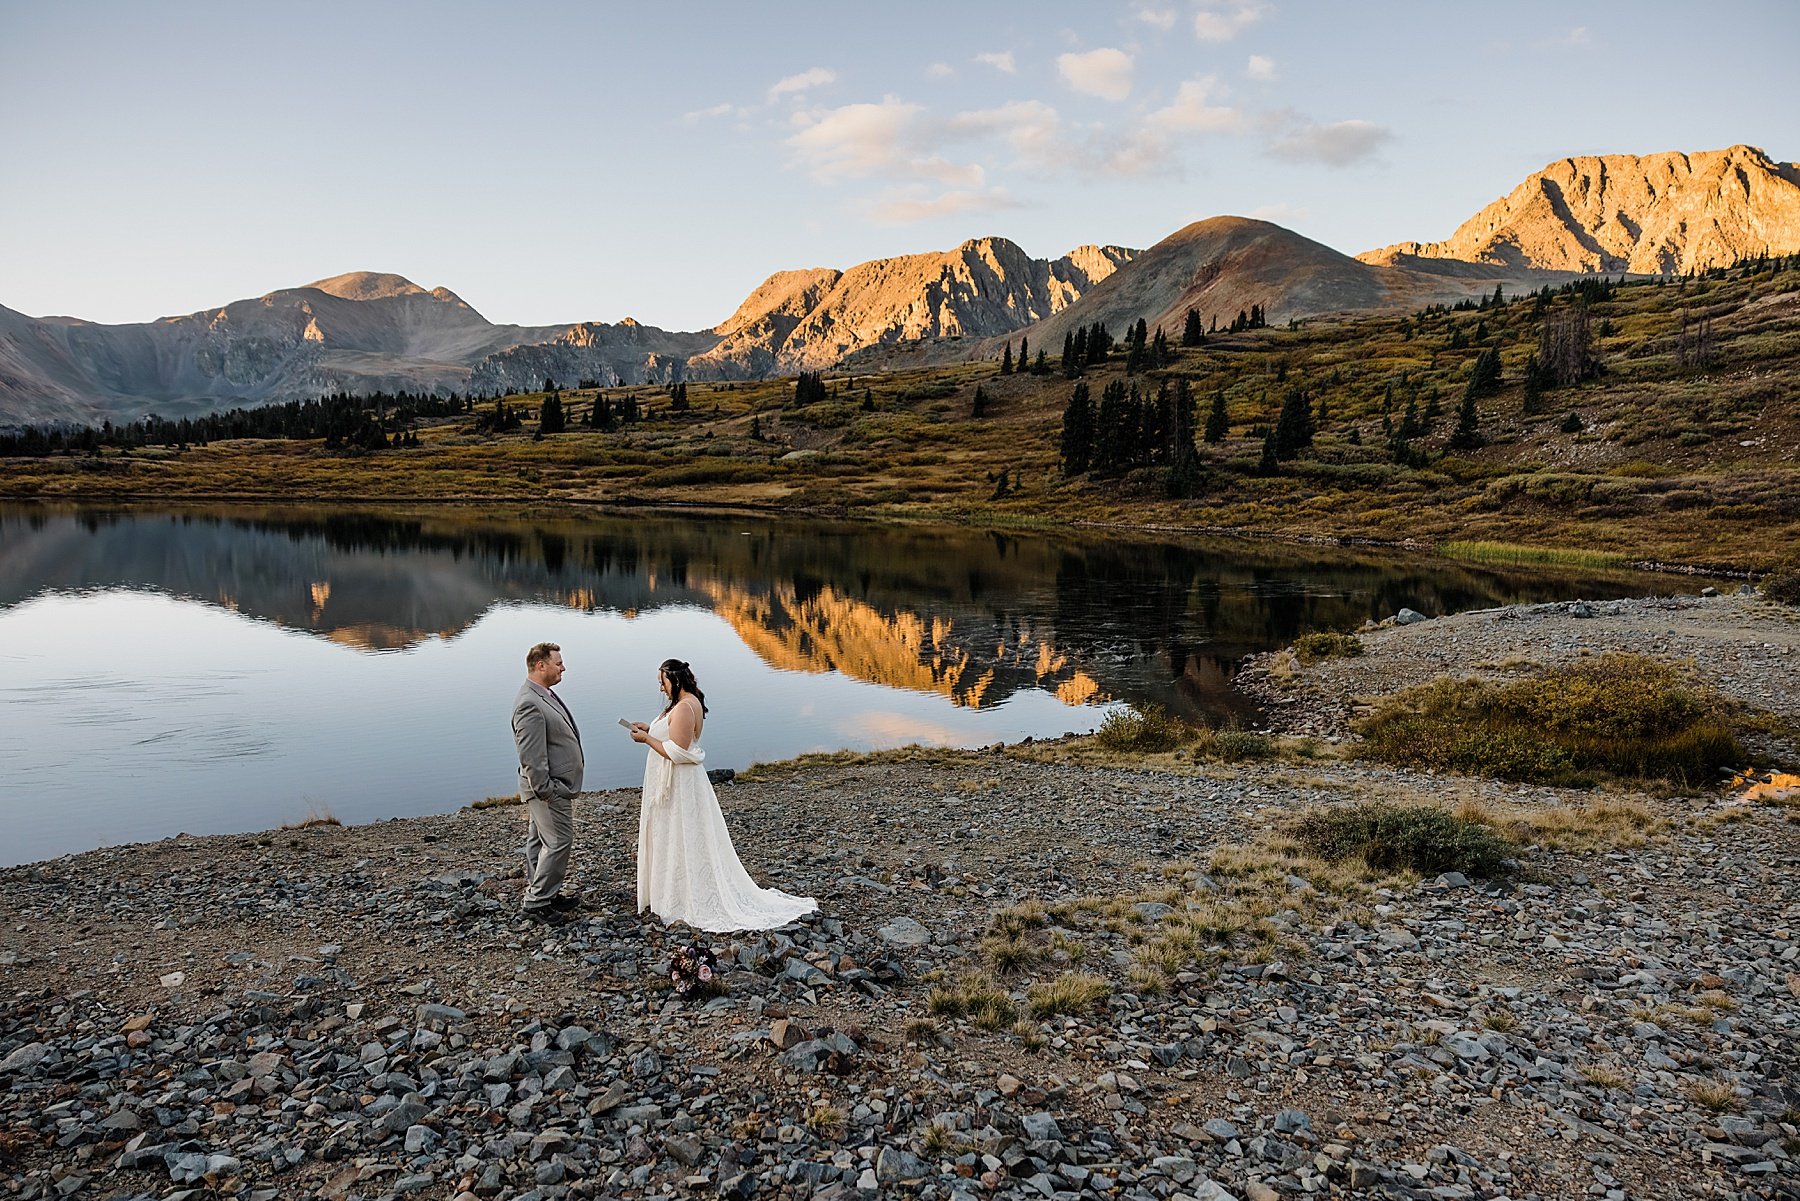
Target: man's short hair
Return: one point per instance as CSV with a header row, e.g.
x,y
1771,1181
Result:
x,y
539,653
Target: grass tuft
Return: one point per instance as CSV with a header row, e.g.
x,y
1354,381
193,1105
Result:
x,y
1149,729
1311,648
1071,993
976,998
1716,1095
827,1120
1620,715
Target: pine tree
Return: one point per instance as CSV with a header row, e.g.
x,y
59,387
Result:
x,y
1410,425
1191,332
1024,351
1042,365
1467,434
1534,387
1184,462
1484,376
1078,431
1115,430
809,388
550,418
1218,424
978,408
1006,363
1294,428
1270,463
1071,360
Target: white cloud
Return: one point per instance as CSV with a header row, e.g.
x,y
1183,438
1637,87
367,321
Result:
x,y
1032,128
1192,112
1260,67
940,70
907,209
1000,60
1336,145
1105,73
854,140
1222,20
1158,18
816,77
888,139
702,114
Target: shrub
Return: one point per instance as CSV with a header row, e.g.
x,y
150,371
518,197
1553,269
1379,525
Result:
x,y
1234,746
1070,993
1783,584
1143,730
1623,715
1310,648
1417,838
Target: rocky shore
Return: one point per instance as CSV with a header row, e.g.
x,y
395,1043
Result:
x,y
359,1012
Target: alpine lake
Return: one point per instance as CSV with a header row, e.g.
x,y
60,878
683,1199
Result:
x,y
205,670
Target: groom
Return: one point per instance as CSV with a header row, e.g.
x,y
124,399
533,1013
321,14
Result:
x,y
550,764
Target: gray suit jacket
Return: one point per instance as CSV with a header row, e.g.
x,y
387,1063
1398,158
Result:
x,y
550,760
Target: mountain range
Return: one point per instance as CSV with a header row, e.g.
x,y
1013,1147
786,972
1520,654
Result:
x,y
366,331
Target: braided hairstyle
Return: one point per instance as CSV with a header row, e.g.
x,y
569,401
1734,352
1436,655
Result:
x,y
681,681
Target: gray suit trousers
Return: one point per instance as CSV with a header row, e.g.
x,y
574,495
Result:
x,y
547,841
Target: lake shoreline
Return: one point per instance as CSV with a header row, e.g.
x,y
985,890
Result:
x,y
358,1011
961,518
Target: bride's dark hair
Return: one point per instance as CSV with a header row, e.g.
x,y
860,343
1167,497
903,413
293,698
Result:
x,y
681,681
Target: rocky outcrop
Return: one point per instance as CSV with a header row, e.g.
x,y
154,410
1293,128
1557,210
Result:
x,y
1652,214
800,321
610,355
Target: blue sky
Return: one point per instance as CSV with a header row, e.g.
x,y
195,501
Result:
x,y
557,163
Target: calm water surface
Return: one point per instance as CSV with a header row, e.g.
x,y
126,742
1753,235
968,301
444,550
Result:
x,y
200,670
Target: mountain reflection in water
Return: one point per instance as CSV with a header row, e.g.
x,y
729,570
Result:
x,y
970,615
186,669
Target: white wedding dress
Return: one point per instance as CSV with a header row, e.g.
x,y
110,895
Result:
x,y
688,870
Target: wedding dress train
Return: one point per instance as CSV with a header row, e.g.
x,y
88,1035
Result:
x,y
688,870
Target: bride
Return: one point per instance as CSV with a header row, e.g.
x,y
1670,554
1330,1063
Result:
x,y
687,868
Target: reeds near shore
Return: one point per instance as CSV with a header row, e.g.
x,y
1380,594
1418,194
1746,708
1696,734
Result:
x,y
1511,554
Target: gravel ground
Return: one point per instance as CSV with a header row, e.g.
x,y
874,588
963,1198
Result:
x,y
359,1012
1746,647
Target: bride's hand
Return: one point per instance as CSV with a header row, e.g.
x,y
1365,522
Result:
x,y
638,725
640,733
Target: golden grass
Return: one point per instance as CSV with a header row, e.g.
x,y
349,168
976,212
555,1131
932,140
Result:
x,y
1515,555
1072,993
1716,1095
316,815
1605,1075
975,997
827,1120
1604,824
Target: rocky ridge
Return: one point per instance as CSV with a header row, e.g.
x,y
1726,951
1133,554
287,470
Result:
x,y
359,1013
1654,214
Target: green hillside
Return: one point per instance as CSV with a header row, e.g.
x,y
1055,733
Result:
x,y
1682,447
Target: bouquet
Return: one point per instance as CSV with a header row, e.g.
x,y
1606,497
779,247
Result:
x,y
693,970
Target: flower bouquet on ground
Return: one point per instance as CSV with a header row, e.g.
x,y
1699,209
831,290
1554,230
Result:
x,y
693,970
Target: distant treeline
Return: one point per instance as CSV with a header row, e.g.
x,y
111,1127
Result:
x,y
377,421
370,422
